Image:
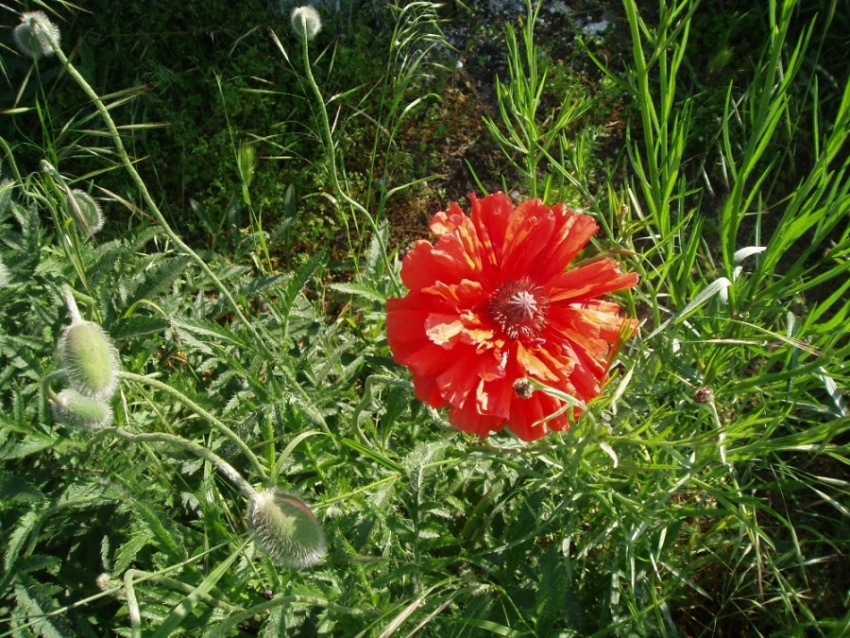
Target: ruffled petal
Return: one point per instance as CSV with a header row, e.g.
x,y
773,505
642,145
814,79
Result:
x,y
456,256
453,330
469,419
541,364
572,232
459,297
527,416
528,235
461,372
491,216
589,281
494,397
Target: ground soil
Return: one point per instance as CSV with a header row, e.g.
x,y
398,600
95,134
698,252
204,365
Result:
x,y
465,149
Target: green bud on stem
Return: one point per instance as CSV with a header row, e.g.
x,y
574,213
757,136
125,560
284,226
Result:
x,y
286,529
36,34
89,359
84,210
78,411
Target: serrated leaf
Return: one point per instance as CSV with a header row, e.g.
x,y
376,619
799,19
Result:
x,y
32,444
297,283
102,265
36,601
14,488
151,282
138,326
126,554
376,251
257,285
142,236
201,328
360,290
19,535
25,260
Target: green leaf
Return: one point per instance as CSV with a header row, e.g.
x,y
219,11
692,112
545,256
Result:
x,y
151,282
37,601
361,290
181,612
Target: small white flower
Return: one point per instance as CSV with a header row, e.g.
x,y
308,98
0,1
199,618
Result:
x,y
36,34
306,22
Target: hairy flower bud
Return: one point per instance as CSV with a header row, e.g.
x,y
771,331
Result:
x,y
306,22
34,34
286,529
89,359
84,210
77,411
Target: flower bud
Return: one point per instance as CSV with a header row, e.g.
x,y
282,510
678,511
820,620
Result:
x,y
74,410
704,394
84,210
306,22
89,359
33,35
286,529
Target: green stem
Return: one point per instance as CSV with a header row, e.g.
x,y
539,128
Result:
x,y
132,605
222,427
11,159
71,303
226,469
153,208
330,150
269,436
47,390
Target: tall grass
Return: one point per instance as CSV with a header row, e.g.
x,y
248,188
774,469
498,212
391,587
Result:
x,y
704,493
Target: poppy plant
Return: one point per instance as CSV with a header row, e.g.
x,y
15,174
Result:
x,y
491,303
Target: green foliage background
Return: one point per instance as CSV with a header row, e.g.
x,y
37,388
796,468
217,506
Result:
x,y
705,492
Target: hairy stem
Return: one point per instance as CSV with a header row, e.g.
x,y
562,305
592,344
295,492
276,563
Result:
x,y
197,409
152,207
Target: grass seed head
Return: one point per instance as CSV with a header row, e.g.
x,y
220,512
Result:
x,y
306,22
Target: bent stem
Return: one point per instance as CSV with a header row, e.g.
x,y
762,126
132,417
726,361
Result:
x,y
226,469
327,135
153,208
197,409
47,388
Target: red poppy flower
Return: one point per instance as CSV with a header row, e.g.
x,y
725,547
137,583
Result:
x,y
491,303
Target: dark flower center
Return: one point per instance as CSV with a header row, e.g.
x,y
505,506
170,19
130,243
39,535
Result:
x,y
519,307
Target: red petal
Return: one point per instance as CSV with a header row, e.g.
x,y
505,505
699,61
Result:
x,y
462,371
589,281
525,413
528,235
459,297
470,420
572,233
455,256
493,397
491,216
